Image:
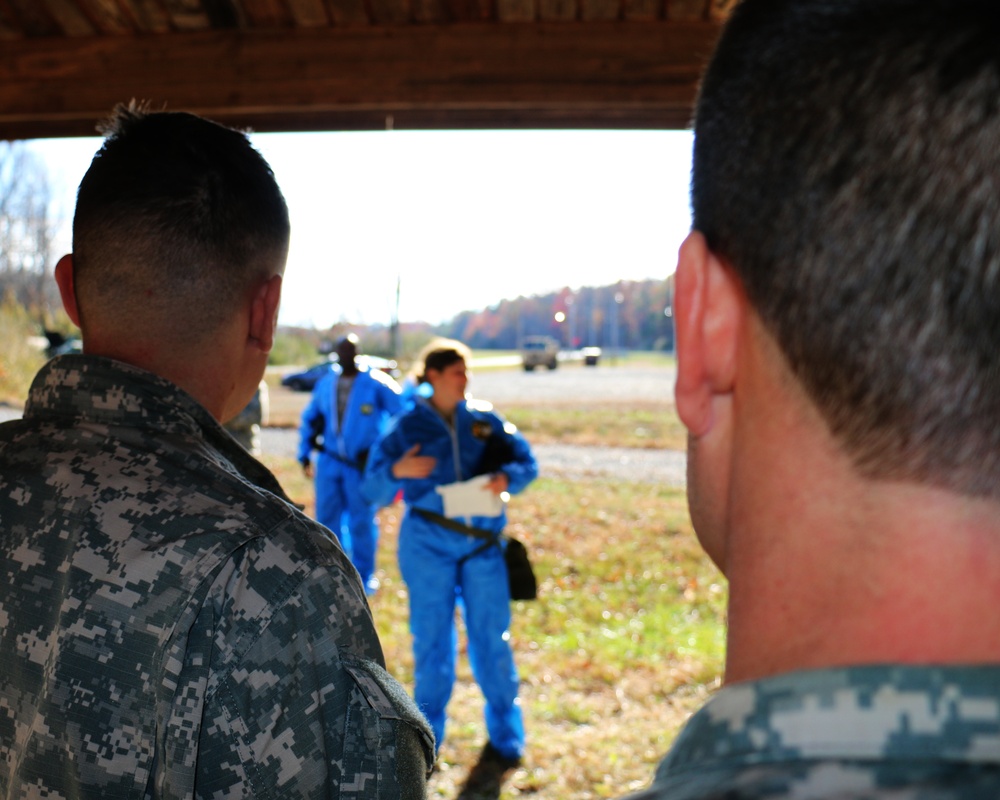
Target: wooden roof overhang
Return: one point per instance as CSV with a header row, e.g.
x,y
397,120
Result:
x,y
302,65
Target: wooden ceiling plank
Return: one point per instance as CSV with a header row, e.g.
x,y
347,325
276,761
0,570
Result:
x,y
613,74
470,10
557,10
686,9
719,10
309,13
267,14
430,11
148,15
70,19
598,10
389,12
348,12
644,10
34,20
516,10
107,16
186,15
8,23
225,14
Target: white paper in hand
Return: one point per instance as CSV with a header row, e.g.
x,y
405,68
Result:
x,y
470,498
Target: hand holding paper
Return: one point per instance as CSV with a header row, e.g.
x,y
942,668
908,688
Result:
x,y
471,498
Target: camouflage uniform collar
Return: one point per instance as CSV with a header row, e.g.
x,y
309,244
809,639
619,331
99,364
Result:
x,y
79,388
106,391
859,713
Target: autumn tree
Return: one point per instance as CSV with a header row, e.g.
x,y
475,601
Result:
x,y
27,230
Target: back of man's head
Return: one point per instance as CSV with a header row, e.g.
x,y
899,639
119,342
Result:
x,y
847,168
347,350
176,219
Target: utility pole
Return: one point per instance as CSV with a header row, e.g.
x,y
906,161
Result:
x,y
394,327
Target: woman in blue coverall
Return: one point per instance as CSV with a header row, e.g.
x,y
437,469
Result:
x,y
443,439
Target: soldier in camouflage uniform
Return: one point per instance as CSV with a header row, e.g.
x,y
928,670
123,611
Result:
x,y
838,310
171,626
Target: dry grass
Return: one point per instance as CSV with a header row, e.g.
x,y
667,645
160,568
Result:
x,y
20,360
643,424
624,643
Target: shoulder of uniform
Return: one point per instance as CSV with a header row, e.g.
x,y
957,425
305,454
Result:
x,y
327,377
482,406
383,378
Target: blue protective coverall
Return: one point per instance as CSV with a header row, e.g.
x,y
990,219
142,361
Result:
x,y
374,400
438,571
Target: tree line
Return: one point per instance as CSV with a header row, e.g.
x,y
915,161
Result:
x,y
624,315
27,230
630,315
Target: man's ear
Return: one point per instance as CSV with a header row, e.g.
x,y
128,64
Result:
x,y
264,314
67,287
708,302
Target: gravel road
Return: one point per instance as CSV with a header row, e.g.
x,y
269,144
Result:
x,y
570,461
602,384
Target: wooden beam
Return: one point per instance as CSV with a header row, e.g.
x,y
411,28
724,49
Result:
x,y
187,15
107,16
593,10
686,9
309,13
719,10
347,12
149,15
267,13
599,74
69,17
34,20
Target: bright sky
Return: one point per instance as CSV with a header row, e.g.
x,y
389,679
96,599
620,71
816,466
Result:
x,y
463,219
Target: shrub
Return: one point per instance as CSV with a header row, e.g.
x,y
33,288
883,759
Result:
x,y
23,354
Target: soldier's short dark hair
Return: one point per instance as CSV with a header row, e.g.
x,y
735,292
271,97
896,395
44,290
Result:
x,y
847,168
175,218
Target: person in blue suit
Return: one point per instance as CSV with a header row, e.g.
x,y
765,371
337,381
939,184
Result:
x,y
444,439
349,409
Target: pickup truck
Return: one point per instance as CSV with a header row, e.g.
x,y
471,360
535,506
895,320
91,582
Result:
x,y
537,351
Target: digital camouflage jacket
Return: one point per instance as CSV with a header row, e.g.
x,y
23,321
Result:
x,y
171,626
906,733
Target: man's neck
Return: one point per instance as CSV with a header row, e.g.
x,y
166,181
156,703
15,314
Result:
x,y
221,379
887,573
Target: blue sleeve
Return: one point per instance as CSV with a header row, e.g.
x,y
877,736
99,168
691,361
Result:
x,y
379,485
313,416
523,469
391,398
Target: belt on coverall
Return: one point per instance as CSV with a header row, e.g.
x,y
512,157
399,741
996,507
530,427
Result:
x,y
359,465
460,527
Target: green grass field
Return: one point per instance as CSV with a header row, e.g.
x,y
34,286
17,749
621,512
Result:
x,y
624,642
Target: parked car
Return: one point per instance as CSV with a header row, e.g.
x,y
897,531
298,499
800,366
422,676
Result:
x,y
539,351
60,344
306,380
245,426
591,355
